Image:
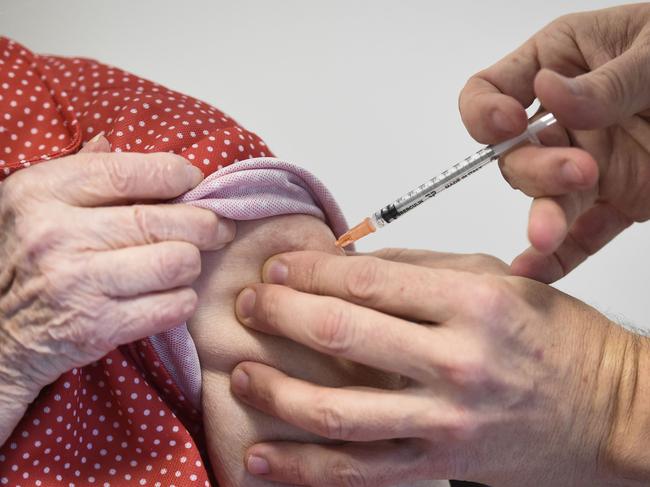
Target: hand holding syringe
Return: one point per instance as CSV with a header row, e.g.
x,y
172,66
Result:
x,y
441,182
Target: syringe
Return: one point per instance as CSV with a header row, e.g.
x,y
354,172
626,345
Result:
x,y
441,182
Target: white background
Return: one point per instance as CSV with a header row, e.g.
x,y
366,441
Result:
x,y
362,93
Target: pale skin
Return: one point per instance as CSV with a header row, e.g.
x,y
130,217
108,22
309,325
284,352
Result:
x,y
511,382
85,270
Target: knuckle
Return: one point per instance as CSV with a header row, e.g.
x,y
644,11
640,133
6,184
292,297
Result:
x,y
80,332
64,277
346,473
38,233
143,219
77,333
268,304
168,168
467,373
172,164
363,279
333,332
314,275
207,228
296,470
266,398
459,426
488,263
614,85
119,176
331,423
493,299
563,25
177,263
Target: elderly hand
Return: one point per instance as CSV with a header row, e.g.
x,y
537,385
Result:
x,y
507,381
592,71
84,270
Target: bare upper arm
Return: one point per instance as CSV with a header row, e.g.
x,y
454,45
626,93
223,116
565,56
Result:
x,y
230,426
222,342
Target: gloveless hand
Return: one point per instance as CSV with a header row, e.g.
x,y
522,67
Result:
x,y
83,270
509,381
592,71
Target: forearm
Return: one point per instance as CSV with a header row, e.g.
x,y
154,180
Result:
x,y
10,415
626,457
14,397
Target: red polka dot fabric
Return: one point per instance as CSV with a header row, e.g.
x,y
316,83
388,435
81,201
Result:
x,y
121,421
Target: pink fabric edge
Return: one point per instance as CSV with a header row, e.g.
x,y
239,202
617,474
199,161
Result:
x,y
232,192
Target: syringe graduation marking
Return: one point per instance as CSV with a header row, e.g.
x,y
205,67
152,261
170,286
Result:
x,y
431,188
441,182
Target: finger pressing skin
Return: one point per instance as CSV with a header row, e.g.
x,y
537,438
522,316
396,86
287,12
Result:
x,y
336,327
492,102
144,269
351,414
97,179
415,292
548,171
589,234
377,464
119,227
551,217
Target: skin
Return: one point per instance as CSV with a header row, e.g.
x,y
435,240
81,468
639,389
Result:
x,y
509,381
591,70
231,426
85,270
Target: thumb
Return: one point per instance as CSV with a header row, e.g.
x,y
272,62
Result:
x,y
607,95
98,143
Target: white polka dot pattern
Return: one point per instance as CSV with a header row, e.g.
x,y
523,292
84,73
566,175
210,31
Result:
x,y
122,420
51,105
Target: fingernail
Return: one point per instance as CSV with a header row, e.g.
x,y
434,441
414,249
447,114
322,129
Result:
x,y
246,303
276,272
502,122
239,382
196,176
95,138
571,173
226,230
257,465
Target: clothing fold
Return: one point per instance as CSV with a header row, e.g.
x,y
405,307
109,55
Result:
x,y
247,190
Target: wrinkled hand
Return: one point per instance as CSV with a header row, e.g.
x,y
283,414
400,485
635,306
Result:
x,y
592,71
83,270
509,381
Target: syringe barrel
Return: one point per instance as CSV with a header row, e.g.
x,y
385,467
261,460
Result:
x,y
432,187
456,173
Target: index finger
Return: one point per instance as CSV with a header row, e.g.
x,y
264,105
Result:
x,y
492,103
414,292
98,179
344,330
